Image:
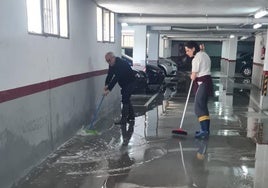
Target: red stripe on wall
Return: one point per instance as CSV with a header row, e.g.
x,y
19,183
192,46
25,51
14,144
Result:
x,y
258,64
229,61
11,94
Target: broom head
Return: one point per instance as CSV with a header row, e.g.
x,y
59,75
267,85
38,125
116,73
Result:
x,y
179,131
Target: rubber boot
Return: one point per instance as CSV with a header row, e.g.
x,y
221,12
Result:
x,y
204,129
123,123
207,128
124,134
130,129
131,115
124,115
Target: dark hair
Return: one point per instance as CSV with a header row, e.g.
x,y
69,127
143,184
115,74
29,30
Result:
x,y
192,44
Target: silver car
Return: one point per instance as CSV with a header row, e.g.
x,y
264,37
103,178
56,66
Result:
x,y
169,66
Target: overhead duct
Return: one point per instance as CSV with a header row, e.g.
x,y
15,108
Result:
x,y
214,29
148,20
198,39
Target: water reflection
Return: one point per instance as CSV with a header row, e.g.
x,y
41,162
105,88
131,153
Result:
x,y
151,122
118,170
261,166
255,126
200,172
195,171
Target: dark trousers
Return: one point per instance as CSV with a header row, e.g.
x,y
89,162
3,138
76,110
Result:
x,y
126,92
127,111
201,101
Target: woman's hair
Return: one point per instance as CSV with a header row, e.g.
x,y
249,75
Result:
x,y
191,45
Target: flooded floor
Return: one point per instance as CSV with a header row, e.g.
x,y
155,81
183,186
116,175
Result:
x,y
234,156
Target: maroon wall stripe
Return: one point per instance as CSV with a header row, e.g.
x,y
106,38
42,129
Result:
x,y
230,61
258,64
11,94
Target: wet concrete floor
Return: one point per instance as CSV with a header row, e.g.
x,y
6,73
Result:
x,y
234,156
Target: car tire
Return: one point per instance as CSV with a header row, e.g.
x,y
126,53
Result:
x,y
246,71
164,70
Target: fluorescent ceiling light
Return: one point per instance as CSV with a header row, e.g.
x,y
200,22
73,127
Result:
x,y
232,36
244,37
257,25
124,24
260,13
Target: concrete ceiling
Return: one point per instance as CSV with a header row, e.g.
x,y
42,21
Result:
x,y
202,19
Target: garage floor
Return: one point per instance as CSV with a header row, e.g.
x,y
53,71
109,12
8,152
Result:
x,y
235,155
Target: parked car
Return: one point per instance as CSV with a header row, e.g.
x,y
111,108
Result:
x,y
168,66
244,62
127,58
154,74
141,81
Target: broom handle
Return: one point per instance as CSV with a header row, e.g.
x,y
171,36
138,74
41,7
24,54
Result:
x,y
188,96
96,112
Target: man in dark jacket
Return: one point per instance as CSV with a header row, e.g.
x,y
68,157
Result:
x,y
120,72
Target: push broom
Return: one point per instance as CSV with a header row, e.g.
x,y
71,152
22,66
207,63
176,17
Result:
x,y
88,130
180,131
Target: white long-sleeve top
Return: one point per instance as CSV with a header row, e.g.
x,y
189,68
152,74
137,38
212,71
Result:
x,y
201,64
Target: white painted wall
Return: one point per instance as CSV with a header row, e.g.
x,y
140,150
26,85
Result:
x,y
27,59
35,125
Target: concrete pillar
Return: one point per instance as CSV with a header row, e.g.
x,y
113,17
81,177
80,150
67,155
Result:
x,y
232,50
164,47
264,80
139,49
260,71
153,47
265,44
224,56
258,66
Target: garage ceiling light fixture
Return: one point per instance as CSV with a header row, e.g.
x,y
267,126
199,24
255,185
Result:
x,y
260,13
257,25
244,37
124,24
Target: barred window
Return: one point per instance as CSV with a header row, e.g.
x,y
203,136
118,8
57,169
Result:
x,y
105,25
48,17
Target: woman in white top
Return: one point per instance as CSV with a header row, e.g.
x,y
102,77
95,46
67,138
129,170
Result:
x,y
202,85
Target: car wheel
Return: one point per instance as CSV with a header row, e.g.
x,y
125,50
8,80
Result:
x,y
164,71
246,71
246,81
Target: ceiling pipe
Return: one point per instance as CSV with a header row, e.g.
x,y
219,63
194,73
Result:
x,y
190,20
214,29
201,37
198,39
191,35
